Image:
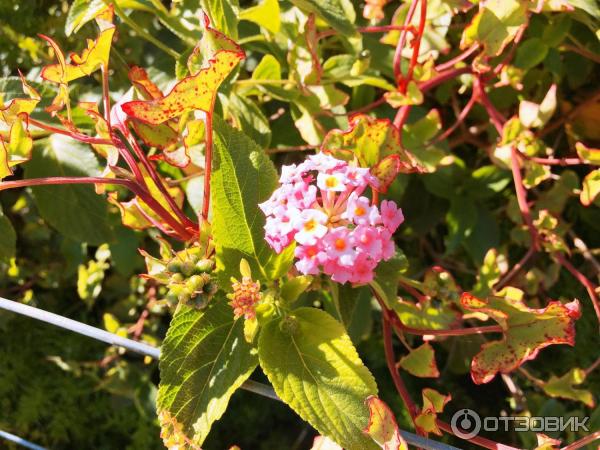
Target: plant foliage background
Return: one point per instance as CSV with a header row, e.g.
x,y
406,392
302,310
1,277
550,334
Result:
x,y
309,67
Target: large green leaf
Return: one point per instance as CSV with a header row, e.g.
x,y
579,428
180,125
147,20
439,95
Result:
x,y
339,14
223,15
243,176
8,238
204,359
74,210
314,368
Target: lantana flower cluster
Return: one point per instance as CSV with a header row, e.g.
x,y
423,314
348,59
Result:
x,y
337,230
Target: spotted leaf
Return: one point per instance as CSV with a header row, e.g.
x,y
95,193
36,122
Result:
x,y
382,426
525,332
211,62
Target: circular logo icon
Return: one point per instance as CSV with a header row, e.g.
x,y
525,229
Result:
x,y
465,423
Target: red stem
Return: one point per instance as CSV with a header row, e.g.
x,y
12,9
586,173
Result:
x,y
461,57
391,363
591,289
131,185
417,43
553,161
460,119
453,332
207,165
158,181
477,440
495,116
516,269
77,136
401,42
593,367
522,197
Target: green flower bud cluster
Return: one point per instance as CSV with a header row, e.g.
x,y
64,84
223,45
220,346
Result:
x,y
189,280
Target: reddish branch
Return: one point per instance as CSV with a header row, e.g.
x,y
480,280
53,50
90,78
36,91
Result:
x,y
478,440
583,441
589,286
390,358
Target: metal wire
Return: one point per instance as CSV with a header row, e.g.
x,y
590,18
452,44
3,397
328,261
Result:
x,y
17,440
148,350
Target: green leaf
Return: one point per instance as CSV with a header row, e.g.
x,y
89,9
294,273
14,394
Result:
x,y
530,53
266,15
425,315
243,176
223,15
82,12
564,387
314,368
8,238
204,359
251,119
74,210
339,14
420,362
495,25
525,332
461,218
293,288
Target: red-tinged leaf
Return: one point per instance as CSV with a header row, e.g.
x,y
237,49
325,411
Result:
x,y
370,141
587,154
382,426
565,387
420,362
546,442
160,136
17,106
433,404
590,188
17,149
146,87
132,215
324,443
91,59
176,156
385,171
525,330
198,91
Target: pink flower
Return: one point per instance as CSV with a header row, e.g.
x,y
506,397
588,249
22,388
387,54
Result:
x,y
311,226
391,215
363,269
387,243
309,258
368,240
360,211
338,232
338,273
338,245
